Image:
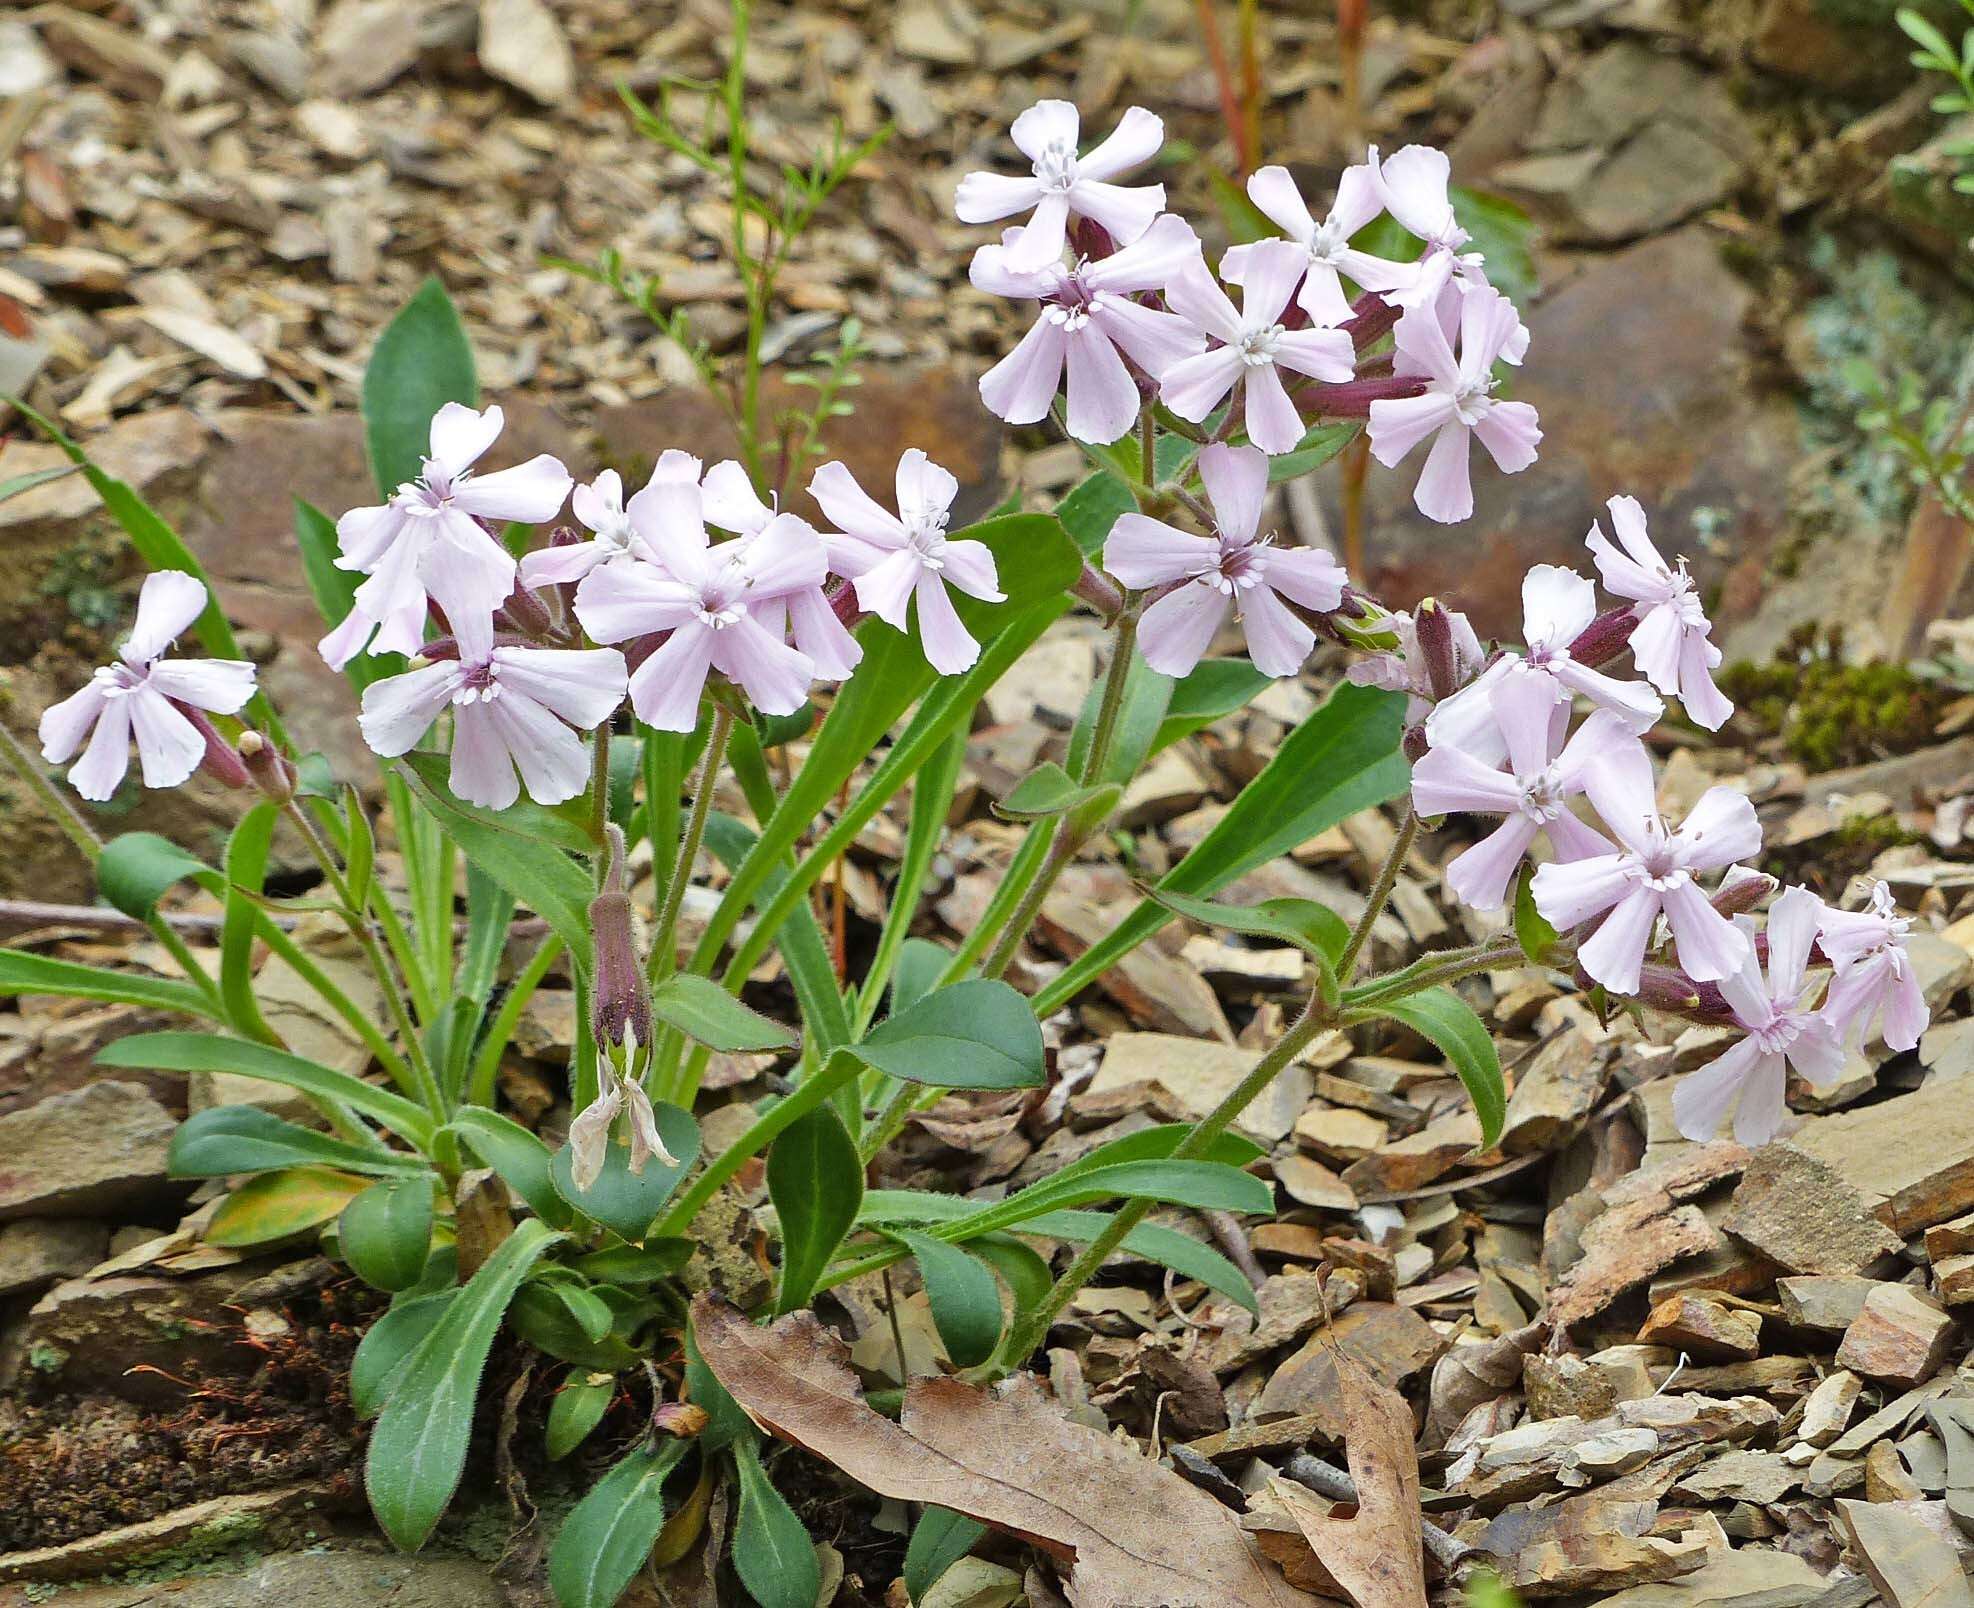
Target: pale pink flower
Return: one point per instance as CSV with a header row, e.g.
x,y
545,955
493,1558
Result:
x,y
1328,256
613,530
1532,794
1254,345
1090,325
1557,605
511,711
1458,402
731,503
1750,1078
141,694
1652,873
1061,185
894,559
1235,571
1414,185
429,541
1404,668
1875,985
1671,644
708,601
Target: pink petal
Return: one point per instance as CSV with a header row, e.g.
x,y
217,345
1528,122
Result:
x,y
821,635
1706,704
1557,604
1322,298
669,516
400,709
986,197
1359,199
925,489
552,759
222,686
1446,781
1702,1100
989,272
1444,492
600,504
169,746
1709,946
1042,237
728,499
1273,424
99,772
1569,893
1525,708
1126,211
1275,193
1792,925
531,492
665,689
1759,1116
619,601
1414,182
1022,387
1509,432
1270,275
1152,339
1720,829
583,686
1322,354
1635,702
774,676
1615,953
557,566
1479,877
482,763
1177,630
1305,575
66,724
365,535
949,646
1194,386
1622,792
970,567
1399,424
787,556
1133,143
886,588
852,509
1143,552
1149,262
1236,481
1103,398
1277,641
1196,297
1047,123
460,436
1817,1052
347,640
1420,340
167,604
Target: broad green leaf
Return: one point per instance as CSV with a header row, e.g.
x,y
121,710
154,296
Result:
x,y
1214,689
816,1181
135,869
623,1201
209,1052
1155,1243
1203,1185
1537,938
921,963
965,1300
608,1535
536,872
577,1409
1024,1272
975,1034
540,1315
939,1540
247,851
22,973
518,1156
636,1265
1318,447
390,1340
1345,757
1314,929
1502,233
418,1446
279,1205
1140,713
707,1014
421,362
1442,1016
772,1552
588,1310
386,1232
1046,791
242,1139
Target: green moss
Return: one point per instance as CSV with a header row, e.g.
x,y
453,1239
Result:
x,y
46,1358
1829,714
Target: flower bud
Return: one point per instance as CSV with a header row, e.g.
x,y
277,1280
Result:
x,y
526,613
1371,317
1088,238
1603,639
272,772
1416,745
620,1001
1433,623
1741,889
221,763
1099,591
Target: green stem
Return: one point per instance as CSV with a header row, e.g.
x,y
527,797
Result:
x,y
332,995
1408,830
1415,979
664,940
486,1064
1014,883
404,820
806,1096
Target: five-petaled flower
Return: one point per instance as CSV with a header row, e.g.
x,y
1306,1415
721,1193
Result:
x,y
1061,185
430,541
894,559
1671,644
146,696
1652,873
1090,324
1533,793
1235,571
613,526
1875,986
1458,401
1254,346
1414,184
1328,256
708,601
511,711
1750,1078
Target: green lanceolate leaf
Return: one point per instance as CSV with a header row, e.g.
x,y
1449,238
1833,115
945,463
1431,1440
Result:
x,y
707,1014
816,1181
1318,447
518,1156
1155,1243
247,851
965,1300
1442,1016
976,1034
533,869
134,870
1140,713
386,1232
22,973
772,1553
387,1343
939,1540
522,819
623,1201
419,1444
1345,757
19,484
421,362
1049,790
244,1139
1203,1185
209,1052
608,1535
1537,938
1212,690
577,1409
541,1315
1316,930
279,1205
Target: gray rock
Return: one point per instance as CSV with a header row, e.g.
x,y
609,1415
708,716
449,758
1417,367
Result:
x,y
522,44
93,1152
37,1251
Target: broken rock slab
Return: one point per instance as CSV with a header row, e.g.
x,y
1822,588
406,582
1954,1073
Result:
x,y
97,1151
1899,1338
35,1252
1802,1212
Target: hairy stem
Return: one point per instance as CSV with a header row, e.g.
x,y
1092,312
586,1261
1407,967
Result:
x,y
1401,845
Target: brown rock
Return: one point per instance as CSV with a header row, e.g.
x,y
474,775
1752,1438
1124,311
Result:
x,y
1410,1163
1829,1304
94,1152
1953,1276
1886,1478
1558,1088
1339,1136
1694,1323
1392,1342
1155,989
1294,1242
37,1251
1906,1186
1900,1338
1912,1563
1588,1543
1828,1408
1803,1212
1199,1074
1309,1183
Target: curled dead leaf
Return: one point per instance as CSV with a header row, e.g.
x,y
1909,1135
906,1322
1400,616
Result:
x,y
1133,1532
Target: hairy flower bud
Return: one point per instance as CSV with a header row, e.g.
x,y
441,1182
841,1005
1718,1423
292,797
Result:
x,y
620,1001
1439,654
1415,743
272,772
221,762
1603,639
1371,317
1742,890
526,613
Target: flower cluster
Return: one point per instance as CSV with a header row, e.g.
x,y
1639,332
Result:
x,y
1127,308
1494,738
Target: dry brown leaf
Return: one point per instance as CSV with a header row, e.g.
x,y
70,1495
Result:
x,y
1374,1554
1133,1532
